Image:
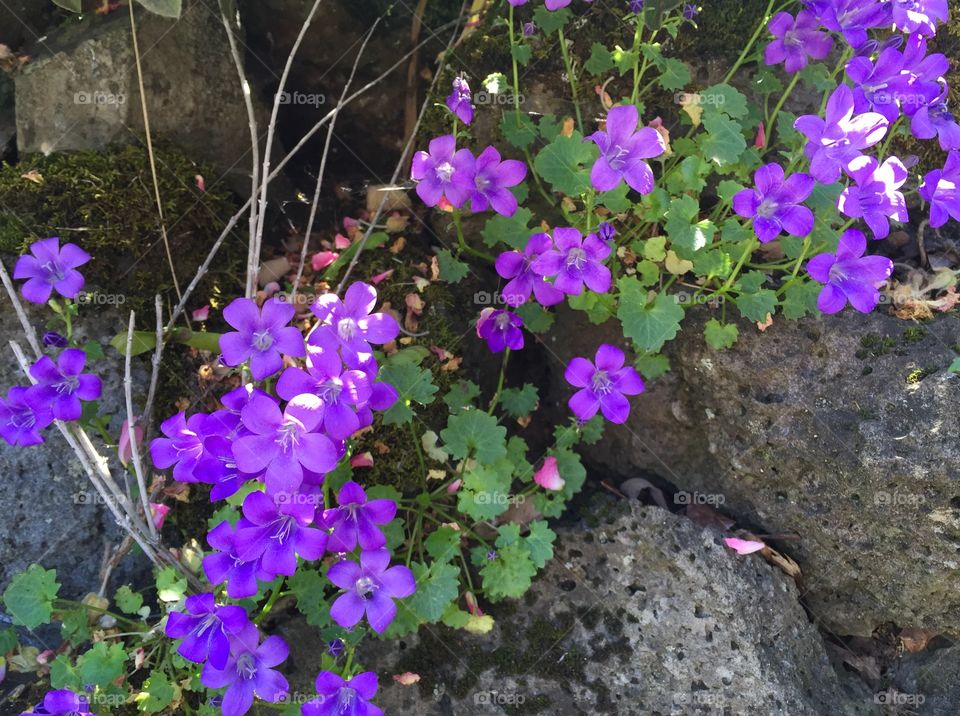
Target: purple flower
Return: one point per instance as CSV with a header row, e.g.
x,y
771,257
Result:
x,y
443,172
690,11
529,28
851,17
350,326
553,5
63,384
796,40
492,177
61,703
51,268
636,6
225,565
22,417
459,100
606,232
848,275
283,444
205,629
879,87
339,697
935,120
356,520
835,141
370,588
218,467
941,189
623,150
602,385
517,3
261,336
247,674
924,74
52,339
875,197
920,16
500,329
575,261
341,391
775,205
277,533
182,447
523,279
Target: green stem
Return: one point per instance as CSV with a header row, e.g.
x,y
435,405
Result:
x,y
516,73
776,110
503,370
749,46
886,143
637,72
736,269
119,617
419,448
463,242
274,596
571,77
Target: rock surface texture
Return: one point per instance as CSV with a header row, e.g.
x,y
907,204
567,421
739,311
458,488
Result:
x,y
51,515
81,92
641,612
840,429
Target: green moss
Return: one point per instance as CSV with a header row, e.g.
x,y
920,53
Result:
x,y
914,334
104,202
873,345
723,26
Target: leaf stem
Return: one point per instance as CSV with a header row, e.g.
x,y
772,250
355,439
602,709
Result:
x,y
571,78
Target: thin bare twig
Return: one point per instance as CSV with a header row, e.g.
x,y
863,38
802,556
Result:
x,y
323,165
253,257
211,255
154,370
21,314
131,434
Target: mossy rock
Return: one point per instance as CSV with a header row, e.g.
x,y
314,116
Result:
x,y
104,202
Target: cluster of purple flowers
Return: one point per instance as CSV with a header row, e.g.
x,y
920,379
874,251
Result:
x,y
61,702
889,80
287,442
60,386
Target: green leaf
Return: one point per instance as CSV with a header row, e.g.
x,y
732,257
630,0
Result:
x,y
510,230
652,366
563,163
536,318
521,53
655,248
437,587
475,434
171,585
413,383
63,675
165,8
375,239
800,299
724,143
720,335
71,5
202,340
724,99
726,189
102,664
674,74
756,306
540,543
128,601
443,544
308,586
74,625
954,366
30,594
549,22
598,306
485,492
651,325
520,401
461,395
687,237
8,640
157,694
518,129
143,341
452,270
509,574
600,60
616,199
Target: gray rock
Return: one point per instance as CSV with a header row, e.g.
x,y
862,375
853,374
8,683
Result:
x,y
81,90
641,612
49,512
927,682
841,429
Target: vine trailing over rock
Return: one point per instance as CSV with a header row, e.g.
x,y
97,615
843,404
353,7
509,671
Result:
x,y
650,224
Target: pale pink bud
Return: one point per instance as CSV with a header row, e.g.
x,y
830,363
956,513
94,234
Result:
x,y
322,259
454,486
124,451
364,459
159,512
548,476
341,242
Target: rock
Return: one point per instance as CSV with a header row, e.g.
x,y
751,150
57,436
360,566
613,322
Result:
x,y
927,682
840,429
51,513
24,22
641,612
81,90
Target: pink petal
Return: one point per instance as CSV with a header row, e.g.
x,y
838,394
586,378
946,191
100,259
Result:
x,y
341,242
381,276
364,459
201,314
322,259
548,476
743,546
159,513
